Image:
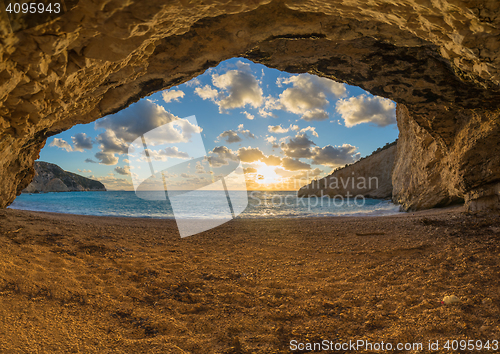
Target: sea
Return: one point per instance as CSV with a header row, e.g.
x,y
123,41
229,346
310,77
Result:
x,y
202,204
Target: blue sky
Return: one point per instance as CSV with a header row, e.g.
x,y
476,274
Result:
x,y
283,127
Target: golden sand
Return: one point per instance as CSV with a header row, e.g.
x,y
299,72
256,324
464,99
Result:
x,y
86,284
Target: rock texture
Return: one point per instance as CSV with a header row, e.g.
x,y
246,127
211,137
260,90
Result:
x,y
370,177
439,60
52,178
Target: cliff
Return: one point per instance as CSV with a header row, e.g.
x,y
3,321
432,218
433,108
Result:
x,y
439,60
370,177
52,178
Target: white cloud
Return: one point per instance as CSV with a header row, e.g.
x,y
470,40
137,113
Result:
x,y
106,158
206,92
271,139
110,143
200,167
271,160
81,141
62,144
232,136
164,154
220,155
294,164
193,82
308,95
246,132
84,171
139,118
250,154
172,95
229,136
311,129
248,115
366,109
335,155
123,170
250,170
142,117
277,129
298,147
239,88
113,183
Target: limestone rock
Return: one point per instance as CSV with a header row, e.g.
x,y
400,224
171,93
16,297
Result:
x,y
52,178
438,59
370,177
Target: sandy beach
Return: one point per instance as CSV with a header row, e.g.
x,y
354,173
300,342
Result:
x,y
85,284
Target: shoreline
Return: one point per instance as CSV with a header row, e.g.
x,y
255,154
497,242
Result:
x,y
98,284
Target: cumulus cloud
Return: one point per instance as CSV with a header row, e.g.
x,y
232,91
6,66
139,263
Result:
x,y
229,136
84,171
123,170
278,129
250,170
62,144
164,154
139,118
245,132
308,95
193,82
270,139
250,154
248,115
110,143
206,92
125,126
271,160
294,164
106,158
311,129
113,183
220,155
90,161
81,141
200,168
172,95
298,147
335,155
238,89
367,109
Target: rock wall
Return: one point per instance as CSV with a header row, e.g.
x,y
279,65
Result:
x,y
440,59
370,177
52,178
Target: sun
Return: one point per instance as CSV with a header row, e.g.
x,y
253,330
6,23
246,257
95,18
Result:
x,y
266,175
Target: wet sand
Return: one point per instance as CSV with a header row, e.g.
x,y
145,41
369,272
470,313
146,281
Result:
x,y
86,284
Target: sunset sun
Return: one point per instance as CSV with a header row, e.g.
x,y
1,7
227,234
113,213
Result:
x,y
266,175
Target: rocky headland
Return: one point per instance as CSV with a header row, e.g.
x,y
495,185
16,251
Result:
x,y
370,177
52,178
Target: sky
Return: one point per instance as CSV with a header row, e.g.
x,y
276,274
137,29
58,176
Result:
x,y
286,129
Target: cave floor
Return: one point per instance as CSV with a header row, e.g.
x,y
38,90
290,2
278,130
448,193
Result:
x,y
85,284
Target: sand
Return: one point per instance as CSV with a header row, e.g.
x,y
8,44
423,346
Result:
x,y
86,284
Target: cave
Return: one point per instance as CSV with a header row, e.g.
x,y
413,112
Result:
x,y
437,61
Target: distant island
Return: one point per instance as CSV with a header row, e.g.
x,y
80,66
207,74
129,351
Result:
x,y
52,178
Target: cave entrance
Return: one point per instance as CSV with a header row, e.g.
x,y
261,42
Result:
x,y
287,130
